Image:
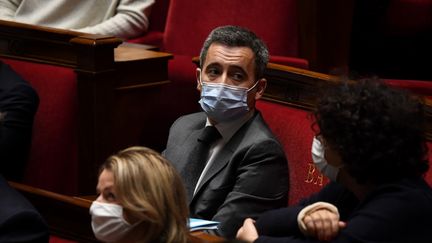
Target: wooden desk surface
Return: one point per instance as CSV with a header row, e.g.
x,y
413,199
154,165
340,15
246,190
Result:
x,y
127,52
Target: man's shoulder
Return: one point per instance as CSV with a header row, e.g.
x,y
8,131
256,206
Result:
x,y
190,120
259,129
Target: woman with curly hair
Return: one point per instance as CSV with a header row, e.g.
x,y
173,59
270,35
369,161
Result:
x,y
141,199
370,142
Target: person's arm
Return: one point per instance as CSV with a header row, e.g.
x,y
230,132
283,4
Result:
x,y
18,106
25,226
8,9
130,20
281,225
261,184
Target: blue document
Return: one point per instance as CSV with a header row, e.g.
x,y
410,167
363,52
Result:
x,y
201,224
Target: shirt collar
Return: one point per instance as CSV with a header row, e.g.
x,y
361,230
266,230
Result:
x,y
227,129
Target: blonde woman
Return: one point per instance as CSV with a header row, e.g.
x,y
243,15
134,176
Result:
x,y
141,199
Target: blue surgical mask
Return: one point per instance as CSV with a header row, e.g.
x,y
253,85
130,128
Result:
x,y
318,157
223,102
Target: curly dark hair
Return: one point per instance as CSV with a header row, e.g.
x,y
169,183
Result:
x,y
377,130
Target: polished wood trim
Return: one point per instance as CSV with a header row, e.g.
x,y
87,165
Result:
x,y
141,86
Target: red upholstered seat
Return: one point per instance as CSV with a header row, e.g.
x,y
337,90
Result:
x,y
53,155
293,129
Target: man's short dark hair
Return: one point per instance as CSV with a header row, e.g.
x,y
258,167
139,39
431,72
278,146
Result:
x,y
235,36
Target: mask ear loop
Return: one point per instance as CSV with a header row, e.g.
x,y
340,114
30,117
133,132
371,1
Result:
x,y
253,87
200,77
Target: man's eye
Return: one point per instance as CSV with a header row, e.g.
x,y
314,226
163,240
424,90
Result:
x,y
238,76
212,72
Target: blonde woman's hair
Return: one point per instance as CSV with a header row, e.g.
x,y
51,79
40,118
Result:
x,y
149,187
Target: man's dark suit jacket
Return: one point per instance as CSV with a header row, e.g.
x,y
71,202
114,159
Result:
x,y
19,221
18,105
248,176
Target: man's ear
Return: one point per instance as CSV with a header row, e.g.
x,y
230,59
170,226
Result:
x,y
261,86
198,78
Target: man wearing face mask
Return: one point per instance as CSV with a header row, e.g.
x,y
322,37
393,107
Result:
x,y
243,169
371,144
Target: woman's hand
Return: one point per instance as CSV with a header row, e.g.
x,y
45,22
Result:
x,y
323,224
248,231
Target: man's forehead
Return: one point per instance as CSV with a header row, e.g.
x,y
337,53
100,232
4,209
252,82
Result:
x,y
229,54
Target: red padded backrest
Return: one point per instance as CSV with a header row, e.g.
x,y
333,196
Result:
x,y
158,15
415,86
190,21
293,129
53,154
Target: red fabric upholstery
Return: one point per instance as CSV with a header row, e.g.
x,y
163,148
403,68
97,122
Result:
x,y
293,129
189,22
55,239
157,19
181,96
290,61
53,155
415,86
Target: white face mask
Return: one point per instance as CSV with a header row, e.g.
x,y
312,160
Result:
x,y
318,157
107,221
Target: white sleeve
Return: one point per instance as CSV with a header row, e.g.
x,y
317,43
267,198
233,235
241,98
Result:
x,y
130,20
8,9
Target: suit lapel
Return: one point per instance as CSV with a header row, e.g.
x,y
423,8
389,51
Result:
x,y
186,150
218,164
225,155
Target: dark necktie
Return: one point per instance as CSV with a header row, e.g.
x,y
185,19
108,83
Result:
x,y
198,158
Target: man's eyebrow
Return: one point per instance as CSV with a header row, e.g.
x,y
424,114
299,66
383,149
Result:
x,y
213,64
238,67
